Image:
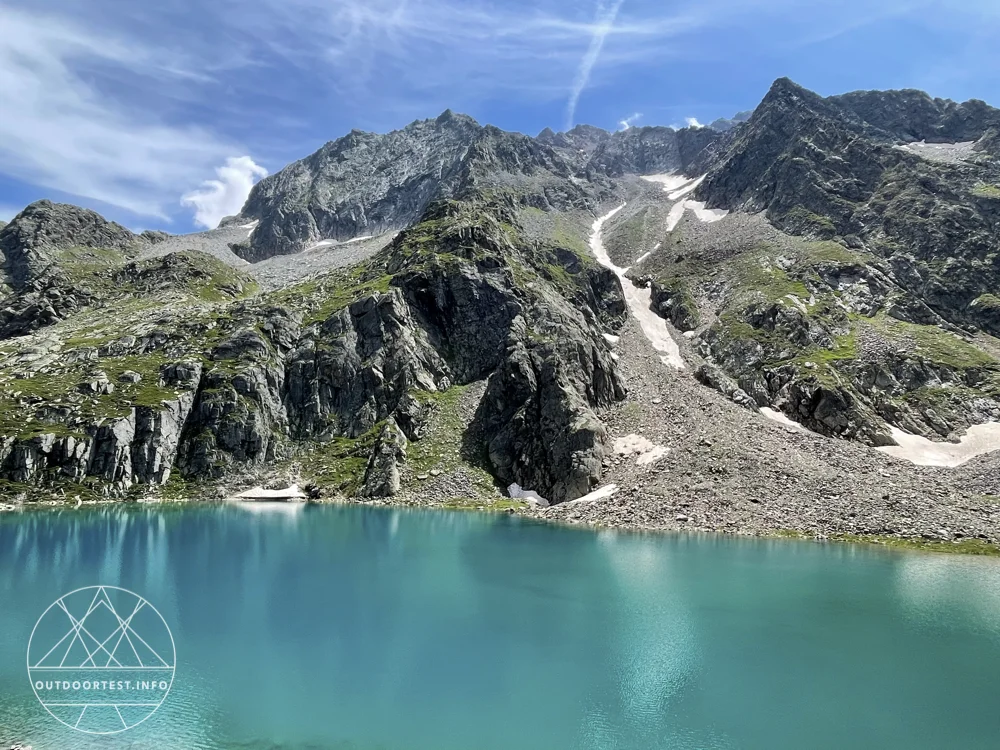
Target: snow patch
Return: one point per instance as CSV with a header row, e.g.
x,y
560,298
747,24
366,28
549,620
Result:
x,y
979,439
677,187
647,451
611,338
776,416
675,216
519,493
643,257
653,326
601,493
670,180
687,189
259,493
707,215
328,243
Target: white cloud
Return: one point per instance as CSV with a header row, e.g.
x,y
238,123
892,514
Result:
x,y
225,196
631,120
606,17
61,129
692,122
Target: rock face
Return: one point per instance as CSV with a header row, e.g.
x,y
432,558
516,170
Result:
x,y
360,184
347,361
365,184
29,242
651,150
40,250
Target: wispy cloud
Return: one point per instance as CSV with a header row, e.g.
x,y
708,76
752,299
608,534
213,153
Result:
x,y
607,13
61,131
629,121
692,122
216,199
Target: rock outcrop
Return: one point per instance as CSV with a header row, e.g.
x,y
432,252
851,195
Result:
x,y
30,243
345,361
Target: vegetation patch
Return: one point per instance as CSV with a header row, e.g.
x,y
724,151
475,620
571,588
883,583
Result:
x,y
959,546
986,190
442,447
339,465
759,275
804,221
57,392
934,344
989,302
321,297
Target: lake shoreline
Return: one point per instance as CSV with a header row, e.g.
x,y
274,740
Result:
x,y
972,547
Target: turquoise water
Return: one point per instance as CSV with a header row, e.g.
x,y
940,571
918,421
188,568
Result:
x,y
359,628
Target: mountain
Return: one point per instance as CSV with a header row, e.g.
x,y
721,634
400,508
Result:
x,y
724,124
366,184
880,321
420,317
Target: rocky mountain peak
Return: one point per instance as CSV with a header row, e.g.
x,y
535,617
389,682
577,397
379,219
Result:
x,y
454,119
28,242
651,150
909,115
785,91
362,184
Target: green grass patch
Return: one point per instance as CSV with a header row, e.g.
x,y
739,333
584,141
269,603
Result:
x,y
757,274
960,547
802,219
828,252
845,347
441,448
985,190
321,297
986,302
499,505
567,234
934,344
24,397
338,465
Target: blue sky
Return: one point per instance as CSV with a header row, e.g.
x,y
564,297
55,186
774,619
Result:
x,y
130,108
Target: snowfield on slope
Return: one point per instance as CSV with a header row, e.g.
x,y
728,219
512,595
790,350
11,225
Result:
x,y
678,187
977,441
653,326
